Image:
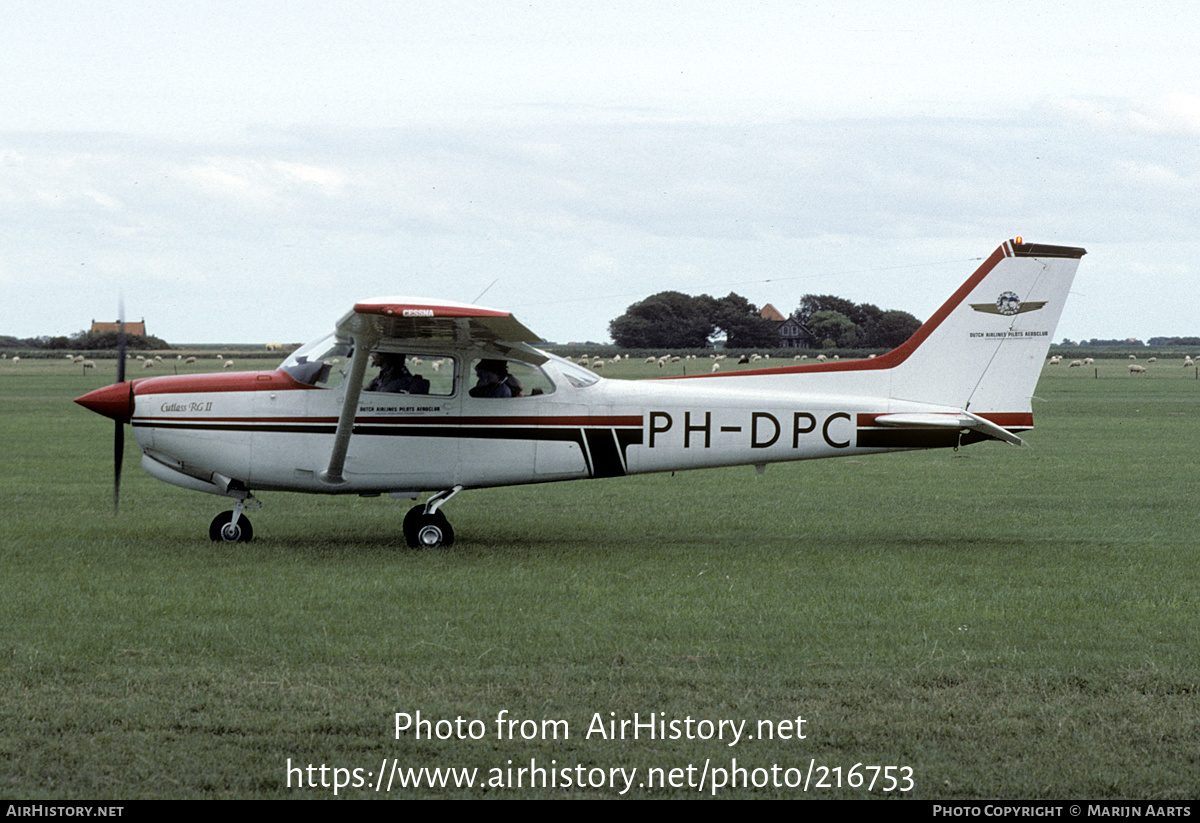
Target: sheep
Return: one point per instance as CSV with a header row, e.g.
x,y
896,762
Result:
x,y
820,358
72,357
1152,360
89,364
1187,361
16,358
1088,361
1133,357
1075,364
1055,360
716,367
190,360
228,364
1136,369
599,364
219,357
147,364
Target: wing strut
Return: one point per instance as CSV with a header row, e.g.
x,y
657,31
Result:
x,y
341,438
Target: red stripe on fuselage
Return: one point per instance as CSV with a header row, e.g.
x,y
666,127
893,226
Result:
x,y
219,382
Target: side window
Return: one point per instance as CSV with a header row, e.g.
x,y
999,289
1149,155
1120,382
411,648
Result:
x,y
493,377
400,373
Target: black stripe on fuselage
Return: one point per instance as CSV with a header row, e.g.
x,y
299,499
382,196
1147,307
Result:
x,y
603,448
916,438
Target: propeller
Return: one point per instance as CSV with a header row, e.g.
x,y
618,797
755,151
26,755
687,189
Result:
x,y
119,431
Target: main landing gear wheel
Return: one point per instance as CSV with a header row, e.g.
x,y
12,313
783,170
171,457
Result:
x,y
427,531
224,529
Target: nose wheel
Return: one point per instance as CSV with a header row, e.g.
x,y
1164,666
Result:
x,y
233,526
225,528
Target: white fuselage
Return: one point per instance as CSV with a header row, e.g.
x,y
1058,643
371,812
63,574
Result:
x,y
271,432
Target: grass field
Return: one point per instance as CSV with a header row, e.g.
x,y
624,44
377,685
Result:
x,y
1006,623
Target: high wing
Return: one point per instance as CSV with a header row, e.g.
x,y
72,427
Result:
x,y
416,320
412,318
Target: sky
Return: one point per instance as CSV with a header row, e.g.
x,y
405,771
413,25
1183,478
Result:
x,y
245,172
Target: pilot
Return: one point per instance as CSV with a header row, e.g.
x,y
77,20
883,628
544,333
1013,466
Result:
x,y
494,380
393,374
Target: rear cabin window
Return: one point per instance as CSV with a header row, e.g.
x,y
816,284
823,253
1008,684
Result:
x,y
495,378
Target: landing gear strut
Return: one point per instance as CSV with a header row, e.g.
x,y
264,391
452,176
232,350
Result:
x,y
427,528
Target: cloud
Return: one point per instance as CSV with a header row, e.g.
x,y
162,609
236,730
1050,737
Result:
x,y
627,208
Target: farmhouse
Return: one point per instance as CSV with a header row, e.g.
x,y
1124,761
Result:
x,y
792,333
131,328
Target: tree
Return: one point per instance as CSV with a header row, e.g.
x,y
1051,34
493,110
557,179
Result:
x,y
671,320
93,341
890,330
811,304
877,329
743,326
667,320
835,330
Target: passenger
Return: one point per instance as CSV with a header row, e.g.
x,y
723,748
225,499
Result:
x,y
419,385
393,374
494,380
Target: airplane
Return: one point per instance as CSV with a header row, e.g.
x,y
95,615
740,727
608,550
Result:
x,y
407,396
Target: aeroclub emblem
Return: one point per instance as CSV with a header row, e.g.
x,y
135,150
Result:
x,y
1008,304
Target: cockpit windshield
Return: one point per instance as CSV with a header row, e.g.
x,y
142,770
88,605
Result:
x,y
577,376
323,362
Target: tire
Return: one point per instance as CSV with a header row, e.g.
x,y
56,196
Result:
x,y
427,531
224,530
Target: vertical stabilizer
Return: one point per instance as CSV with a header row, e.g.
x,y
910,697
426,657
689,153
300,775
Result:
x,y
983,350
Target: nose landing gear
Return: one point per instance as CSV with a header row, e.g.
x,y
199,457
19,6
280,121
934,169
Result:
x,y
233,526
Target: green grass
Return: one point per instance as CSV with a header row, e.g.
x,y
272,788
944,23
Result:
x,y
1014,623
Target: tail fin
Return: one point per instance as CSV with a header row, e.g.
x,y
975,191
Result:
x,y
983,350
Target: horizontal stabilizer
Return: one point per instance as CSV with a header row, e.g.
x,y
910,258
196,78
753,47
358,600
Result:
x,y
956,420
